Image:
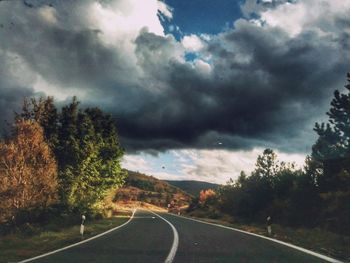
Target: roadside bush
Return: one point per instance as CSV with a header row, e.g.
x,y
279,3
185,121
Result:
x,y
28,229
214,214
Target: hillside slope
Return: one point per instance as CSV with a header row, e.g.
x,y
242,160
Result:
x,y
148,189
193,187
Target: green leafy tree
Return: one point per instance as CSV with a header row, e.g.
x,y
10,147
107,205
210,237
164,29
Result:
x,y
86,146
89,139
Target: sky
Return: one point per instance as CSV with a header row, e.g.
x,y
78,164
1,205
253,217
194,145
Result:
x,y
198,88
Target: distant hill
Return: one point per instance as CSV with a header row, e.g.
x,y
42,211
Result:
x,y
193,187
148,189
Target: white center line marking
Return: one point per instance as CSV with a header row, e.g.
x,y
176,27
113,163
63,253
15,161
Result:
x,y
175,244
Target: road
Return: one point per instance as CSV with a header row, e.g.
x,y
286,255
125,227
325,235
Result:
x,y
148,238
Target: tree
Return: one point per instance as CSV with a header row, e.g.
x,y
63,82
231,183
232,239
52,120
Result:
x,y
266,165
98,168
331,157
339,117
334,137
207,197
266,191
43,111
28,170
89,155
86,146
332,147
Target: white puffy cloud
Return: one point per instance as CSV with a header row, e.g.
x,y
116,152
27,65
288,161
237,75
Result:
x,y
202,66
125,18
290,17
121,22
301,16
193,43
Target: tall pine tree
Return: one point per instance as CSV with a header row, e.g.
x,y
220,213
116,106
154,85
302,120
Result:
x,y
332,147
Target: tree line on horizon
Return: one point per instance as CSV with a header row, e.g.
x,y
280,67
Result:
x,y
66,159
316,196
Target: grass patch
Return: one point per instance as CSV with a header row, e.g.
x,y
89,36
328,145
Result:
x,y
20,246
316,239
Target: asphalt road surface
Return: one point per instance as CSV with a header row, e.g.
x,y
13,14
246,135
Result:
x,y
148,238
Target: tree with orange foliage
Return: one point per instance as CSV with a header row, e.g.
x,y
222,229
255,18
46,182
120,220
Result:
x,y
28,170
206,196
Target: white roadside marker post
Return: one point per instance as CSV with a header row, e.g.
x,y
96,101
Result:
x,y
82,226
269,223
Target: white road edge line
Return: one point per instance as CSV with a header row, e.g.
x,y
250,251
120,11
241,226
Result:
x,y
326,258
175,244
79,243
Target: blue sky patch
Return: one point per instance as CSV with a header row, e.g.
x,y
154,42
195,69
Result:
x,y
203,16
190,56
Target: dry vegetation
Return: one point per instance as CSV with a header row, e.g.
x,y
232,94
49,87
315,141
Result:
x,y
147,191
28,170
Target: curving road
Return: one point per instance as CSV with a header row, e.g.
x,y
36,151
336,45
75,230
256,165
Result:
x,y
150,237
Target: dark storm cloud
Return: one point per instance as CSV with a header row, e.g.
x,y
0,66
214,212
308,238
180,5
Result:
x,y
265,87
12,89
10,101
